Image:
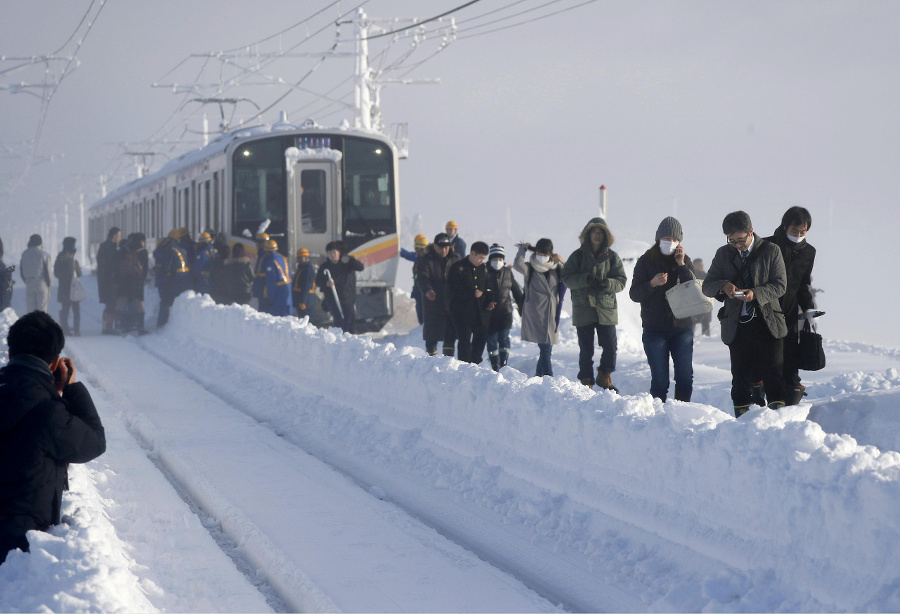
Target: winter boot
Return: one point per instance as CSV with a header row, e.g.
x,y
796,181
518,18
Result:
x,y
604,380
504,357
588,381
682,395
797,395
495,361
776,404
740,410
757,395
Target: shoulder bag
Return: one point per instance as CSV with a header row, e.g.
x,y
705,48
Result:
x,y
687,299
810,355
76,292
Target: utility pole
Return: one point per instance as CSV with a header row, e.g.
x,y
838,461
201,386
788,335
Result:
x,y
603,201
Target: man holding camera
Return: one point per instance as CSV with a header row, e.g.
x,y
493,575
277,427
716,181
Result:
x,y
47,421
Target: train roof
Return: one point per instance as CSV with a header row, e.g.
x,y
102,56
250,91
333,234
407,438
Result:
x,y
222,142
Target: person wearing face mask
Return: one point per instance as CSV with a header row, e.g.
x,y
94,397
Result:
x,y
748,275
594,273
662,267
506,293
799,257
543,298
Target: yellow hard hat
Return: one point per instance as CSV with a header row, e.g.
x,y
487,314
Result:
x,y
302,252
262,237
451,224
270,245
178,233
420,241
204,237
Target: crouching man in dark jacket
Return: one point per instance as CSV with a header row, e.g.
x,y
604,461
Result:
x,y
47,420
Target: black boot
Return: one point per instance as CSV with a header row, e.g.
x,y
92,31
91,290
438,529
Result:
x,y
757,395
740,410
796,395
495,362
682,395
504,357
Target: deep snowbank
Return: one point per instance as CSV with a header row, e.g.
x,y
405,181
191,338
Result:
x,y
772,496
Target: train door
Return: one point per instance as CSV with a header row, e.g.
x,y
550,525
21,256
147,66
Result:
x,y
314,197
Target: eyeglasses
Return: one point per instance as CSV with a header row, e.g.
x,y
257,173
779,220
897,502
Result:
x,y
740,241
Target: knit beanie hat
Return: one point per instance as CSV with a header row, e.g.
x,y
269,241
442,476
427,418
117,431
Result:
x,y
496,251
669,227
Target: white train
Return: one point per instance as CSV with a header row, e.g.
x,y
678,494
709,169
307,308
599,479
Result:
x,y
315,184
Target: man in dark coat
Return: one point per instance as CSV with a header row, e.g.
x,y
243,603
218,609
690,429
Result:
x,y
470,301
432,281
133,262
173,270
239,277
47,420
799,257
748,275
107,269
338,275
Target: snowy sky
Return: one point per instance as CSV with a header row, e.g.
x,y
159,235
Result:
x,y
687,108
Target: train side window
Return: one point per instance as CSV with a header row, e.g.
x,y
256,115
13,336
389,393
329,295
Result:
x,y
313,204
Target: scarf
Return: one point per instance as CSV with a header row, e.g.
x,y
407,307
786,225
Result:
x,y
542,268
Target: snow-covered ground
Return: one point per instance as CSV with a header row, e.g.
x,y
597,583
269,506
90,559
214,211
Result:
x,y
258,463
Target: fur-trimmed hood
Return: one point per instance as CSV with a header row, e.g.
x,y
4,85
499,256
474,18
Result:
x,y
594,223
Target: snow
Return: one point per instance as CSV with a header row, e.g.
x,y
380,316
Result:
x,y
259,463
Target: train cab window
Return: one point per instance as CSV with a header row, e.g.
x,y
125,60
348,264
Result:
x,y
368,202
313,203
259,182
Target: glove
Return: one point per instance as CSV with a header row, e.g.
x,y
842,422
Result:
x,y
597,284
302,307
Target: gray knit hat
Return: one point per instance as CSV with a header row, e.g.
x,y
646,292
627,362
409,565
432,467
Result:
x,y
669,227
496,251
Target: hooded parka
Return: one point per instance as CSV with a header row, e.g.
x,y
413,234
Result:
x,y
591,306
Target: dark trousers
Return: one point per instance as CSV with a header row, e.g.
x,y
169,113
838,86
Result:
x,y
544,365
449,339
790,372
472,338
345,322
679,344
606,338
75,306
756,355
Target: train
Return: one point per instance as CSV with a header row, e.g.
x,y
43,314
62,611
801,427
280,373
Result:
x,y
306,185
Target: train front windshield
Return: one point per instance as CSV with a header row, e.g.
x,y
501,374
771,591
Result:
x,y
368,201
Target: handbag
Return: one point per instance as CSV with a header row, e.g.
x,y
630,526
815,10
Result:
x,y
810,355
76,291
687,299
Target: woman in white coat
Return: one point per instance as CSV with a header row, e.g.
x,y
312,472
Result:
x,y
544,293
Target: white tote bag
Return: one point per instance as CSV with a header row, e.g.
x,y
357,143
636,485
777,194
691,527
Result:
x,y
76,292
687,299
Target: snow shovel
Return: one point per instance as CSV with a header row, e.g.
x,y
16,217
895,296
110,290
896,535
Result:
x,y
337,301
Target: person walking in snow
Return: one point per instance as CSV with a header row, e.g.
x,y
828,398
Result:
x,y
470,302
239,277
277,294
432,281
660,268
47,420
303,289
595,274
704,319
173,270
337,275
200,268
107,272
456,242
65,267
542,299
420,244
34,268
133,263
799,258
507,296
748,275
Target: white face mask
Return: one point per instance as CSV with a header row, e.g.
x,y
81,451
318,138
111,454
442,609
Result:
x,y
497,264
668,247
542,258
796,239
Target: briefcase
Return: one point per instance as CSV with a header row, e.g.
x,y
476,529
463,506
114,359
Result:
x,y
810,355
